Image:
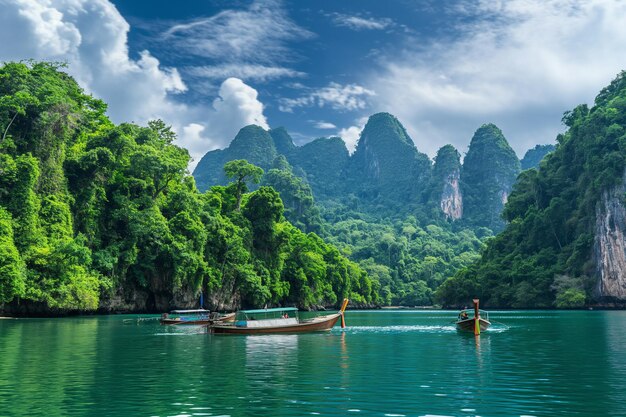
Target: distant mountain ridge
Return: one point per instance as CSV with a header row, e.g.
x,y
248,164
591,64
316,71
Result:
x,y
409,222
387,173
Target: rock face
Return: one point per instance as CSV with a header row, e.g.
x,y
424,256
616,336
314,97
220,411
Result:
x,y
451,199
446,177
489,171
610,244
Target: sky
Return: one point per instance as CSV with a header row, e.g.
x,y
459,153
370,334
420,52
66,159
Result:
x,y
321,67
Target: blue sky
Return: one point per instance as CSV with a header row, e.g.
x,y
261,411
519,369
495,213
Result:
x,y
320,67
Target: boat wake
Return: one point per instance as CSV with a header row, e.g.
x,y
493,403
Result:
x,y
449,328
401,329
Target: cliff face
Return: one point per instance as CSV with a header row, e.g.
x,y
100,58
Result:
x,y
451,199
610,244
446,178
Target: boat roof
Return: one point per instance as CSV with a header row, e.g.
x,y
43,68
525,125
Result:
x,y
269,310
200,310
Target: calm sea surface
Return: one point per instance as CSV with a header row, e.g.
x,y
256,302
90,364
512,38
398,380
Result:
x,y
385,363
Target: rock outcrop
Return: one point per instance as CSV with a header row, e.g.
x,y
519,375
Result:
x,y
451,199
446,178
610,244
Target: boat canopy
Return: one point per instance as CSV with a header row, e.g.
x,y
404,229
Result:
x,y
268,310
201,310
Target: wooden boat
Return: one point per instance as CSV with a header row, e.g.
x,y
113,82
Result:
x,y
194,317
278,320
480,321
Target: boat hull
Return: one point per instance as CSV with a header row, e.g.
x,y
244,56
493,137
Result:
x,y
468,325
315,325
203,321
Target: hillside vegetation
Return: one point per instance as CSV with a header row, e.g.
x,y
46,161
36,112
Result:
x,y
409,223
99,216
545,255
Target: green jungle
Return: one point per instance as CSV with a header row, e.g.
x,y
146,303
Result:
x,y
99,217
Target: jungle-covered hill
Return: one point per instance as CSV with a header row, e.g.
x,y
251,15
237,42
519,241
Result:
x,y
564,244
409,222
97,216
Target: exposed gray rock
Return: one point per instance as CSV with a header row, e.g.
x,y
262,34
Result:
x,y
610,244
451,198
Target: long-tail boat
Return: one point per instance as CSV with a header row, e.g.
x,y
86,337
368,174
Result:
x,y
194,317
278,320
480,321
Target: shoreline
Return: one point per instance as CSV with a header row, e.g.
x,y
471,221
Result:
x,y
380,308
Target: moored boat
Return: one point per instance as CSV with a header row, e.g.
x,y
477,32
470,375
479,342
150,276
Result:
x,y
278,320
194,317
480,322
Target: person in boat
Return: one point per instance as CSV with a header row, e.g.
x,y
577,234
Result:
x,y
463,315
285,316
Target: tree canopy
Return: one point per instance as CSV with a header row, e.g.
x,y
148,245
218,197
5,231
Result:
x,y
101,216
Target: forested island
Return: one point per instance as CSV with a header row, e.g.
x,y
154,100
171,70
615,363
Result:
x,y
102,217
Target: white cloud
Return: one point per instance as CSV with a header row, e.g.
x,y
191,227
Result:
x,y
339,97
238,106
92,37
248,72
320,124
361,23
257,34
351,135
519,64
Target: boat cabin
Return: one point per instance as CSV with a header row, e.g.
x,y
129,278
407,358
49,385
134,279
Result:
x,y
267,317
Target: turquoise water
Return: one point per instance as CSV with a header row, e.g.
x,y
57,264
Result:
x,y
385,363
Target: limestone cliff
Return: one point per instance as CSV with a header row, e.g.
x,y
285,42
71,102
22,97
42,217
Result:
x,y
446,178
610,244
451,199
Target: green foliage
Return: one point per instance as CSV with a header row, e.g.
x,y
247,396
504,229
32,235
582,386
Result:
x,y
386,170
533,156
252,144
570,292
90,211
381,207
407,259
242,171
296,195
489,171
551,214
322,163
12,271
